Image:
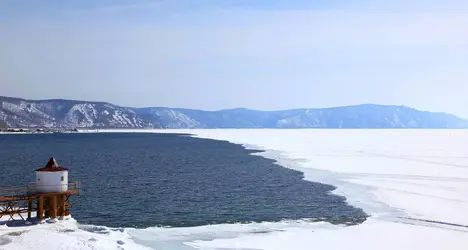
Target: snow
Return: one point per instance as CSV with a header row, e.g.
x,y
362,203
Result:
x,y
120,118
13,108
127,121
87,110
370,235
296,121
117,116
25,108
177,119
63,234
413,184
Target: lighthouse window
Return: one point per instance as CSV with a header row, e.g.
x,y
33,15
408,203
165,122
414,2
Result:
x,y
61,178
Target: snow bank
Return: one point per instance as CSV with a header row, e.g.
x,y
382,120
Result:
x,y
63,234
184,238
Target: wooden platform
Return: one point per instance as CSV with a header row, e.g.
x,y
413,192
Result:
x,y
22,200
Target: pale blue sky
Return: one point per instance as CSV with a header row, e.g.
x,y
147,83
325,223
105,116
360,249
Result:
x,y
217,54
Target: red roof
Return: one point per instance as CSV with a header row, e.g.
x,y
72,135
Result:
x,y
52,166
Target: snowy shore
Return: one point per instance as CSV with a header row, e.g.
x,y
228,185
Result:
x,y
63,234
413,184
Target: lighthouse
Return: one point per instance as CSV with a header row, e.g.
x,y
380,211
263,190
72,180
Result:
x,y
49,196
52,190
52,178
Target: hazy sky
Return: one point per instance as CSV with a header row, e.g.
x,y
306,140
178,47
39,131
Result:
x,y
261,54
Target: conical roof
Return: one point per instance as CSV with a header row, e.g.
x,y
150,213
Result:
x,y
52,166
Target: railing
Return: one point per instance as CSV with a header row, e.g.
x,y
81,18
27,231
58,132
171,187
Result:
x,y
13,191
32,188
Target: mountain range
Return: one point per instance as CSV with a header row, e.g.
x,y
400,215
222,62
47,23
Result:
x,y
59,113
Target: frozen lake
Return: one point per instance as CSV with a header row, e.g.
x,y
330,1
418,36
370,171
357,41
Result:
x,y
413,183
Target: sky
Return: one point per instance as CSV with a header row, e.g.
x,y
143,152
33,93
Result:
x,y
217,54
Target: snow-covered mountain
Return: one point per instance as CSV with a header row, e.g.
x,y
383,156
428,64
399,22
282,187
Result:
x,y
82,114
67,114
359,116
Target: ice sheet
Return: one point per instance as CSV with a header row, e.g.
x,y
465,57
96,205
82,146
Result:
x,y
370,235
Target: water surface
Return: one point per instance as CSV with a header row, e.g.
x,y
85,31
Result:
x,y
144,180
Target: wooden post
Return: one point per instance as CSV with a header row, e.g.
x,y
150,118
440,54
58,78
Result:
x,y
29,208
54,207
64,206
40,208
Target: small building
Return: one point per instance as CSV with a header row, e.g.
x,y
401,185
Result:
x,y
52,178
49,196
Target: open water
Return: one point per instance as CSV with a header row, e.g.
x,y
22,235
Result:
x,y
144,180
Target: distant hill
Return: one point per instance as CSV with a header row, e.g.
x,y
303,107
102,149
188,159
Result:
x,y
68,114
83,114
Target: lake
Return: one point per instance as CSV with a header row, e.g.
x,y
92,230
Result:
x,y
143,180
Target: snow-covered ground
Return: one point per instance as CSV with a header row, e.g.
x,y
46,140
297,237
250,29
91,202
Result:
x,y
413,183
63,234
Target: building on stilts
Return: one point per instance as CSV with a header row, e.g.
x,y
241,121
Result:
x,y
48,197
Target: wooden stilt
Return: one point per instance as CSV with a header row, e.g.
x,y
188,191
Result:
x,y
63,204
53,207
40,208
29,208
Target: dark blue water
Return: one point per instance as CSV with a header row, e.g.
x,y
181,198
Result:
x,y
143,180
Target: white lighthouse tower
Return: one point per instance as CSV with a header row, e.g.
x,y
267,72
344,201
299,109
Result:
x,y
52,178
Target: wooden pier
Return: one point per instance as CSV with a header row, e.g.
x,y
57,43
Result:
x,y
26,200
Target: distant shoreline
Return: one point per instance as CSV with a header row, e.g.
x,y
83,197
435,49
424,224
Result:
x,y
152,130
36,131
